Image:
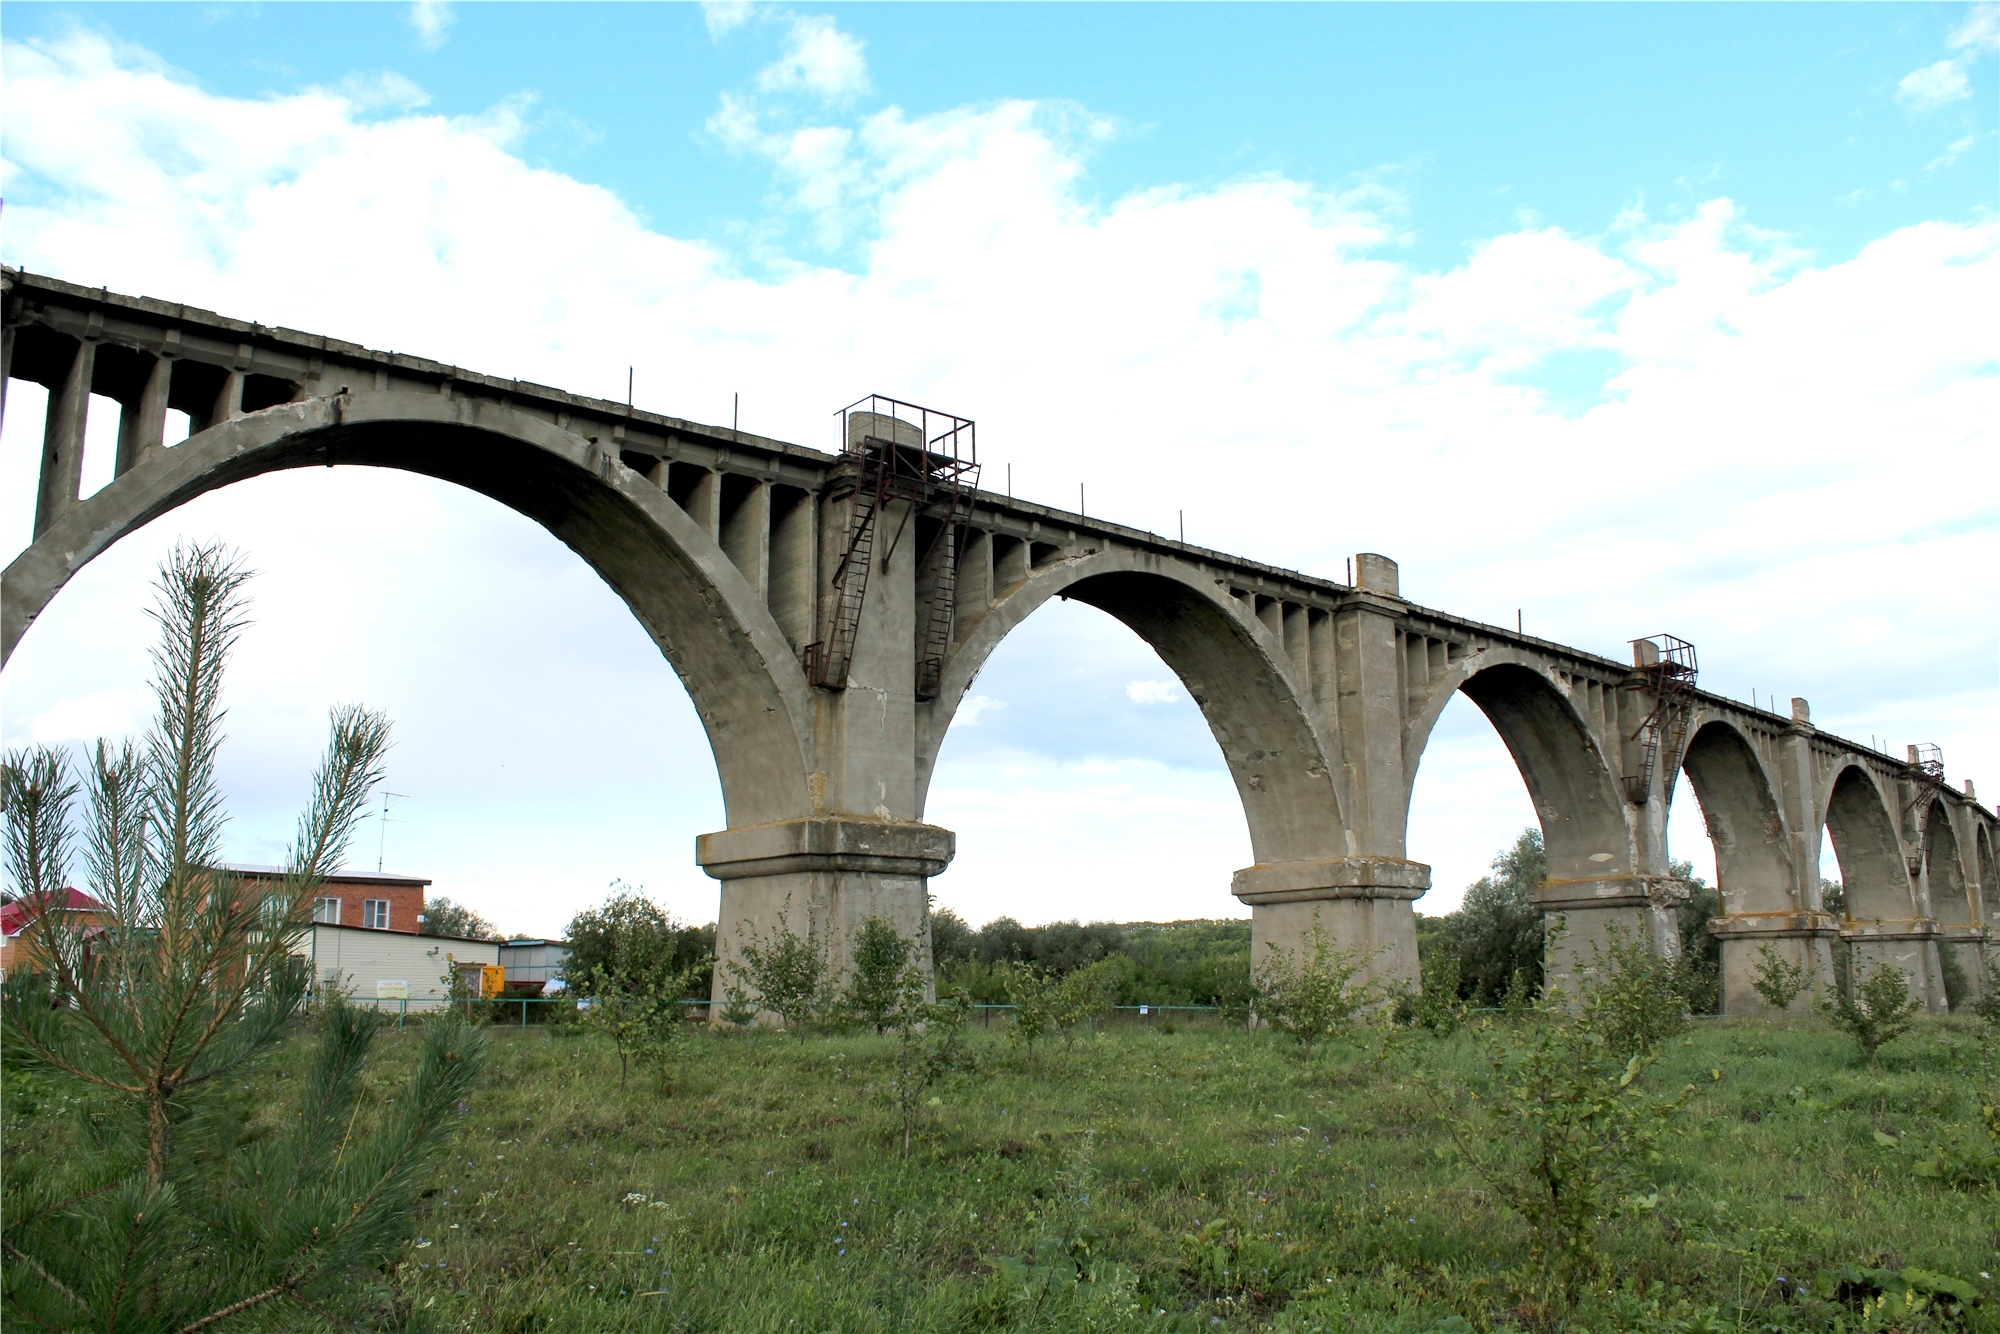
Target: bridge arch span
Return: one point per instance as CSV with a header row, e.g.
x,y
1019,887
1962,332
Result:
x,y
1739,807
1859,819
1257,707
722,642
1585,834
1944,869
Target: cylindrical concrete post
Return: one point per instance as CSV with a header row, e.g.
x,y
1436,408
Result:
x,y
142,426
820,879
62,439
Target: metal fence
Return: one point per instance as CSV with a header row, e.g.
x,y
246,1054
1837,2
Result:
x,y
516,1010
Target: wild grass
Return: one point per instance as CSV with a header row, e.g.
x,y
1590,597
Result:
x,y
1207,1179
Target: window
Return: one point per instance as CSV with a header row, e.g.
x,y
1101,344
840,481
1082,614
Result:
x,y
375,914
327,910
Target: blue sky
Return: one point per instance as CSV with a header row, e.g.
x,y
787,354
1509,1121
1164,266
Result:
x,y
1634,317
1478,115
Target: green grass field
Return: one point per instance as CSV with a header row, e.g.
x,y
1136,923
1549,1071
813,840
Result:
x,y
1205,1179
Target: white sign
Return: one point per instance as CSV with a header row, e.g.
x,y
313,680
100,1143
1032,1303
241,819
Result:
x,y
386,989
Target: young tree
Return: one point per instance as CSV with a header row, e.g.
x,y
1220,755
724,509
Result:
x,y
169,1221
874,991
1564,1130
1497,932
642,1016
1310,994
788,972
1033,994
1777,982
1085,993
1873,1012
442,917
930,1047
629,936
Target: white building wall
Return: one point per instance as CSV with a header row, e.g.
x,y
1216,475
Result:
x,y
367,964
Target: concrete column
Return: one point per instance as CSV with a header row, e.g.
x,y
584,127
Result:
x,y
824,876
705,503
1801,938
746,536
142,426
1011,565
1910,947
1362,891
793,555
1362,903
1586,917
62,439
228,400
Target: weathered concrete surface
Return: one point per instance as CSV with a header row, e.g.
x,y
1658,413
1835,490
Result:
x,y
1321,695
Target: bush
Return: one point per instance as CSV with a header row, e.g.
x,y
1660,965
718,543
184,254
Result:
x,y
1310,994
874,992
930,1048
1497,933
1637,1000
1882,1011
789,973
1778,983
629,936
1565,1132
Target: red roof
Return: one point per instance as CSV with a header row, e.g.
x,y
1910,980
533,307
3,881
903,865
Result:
x,y
20,912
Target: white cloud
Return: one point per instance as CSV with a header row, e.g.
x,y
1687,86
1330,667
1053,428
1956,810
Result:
x,y
112,714
1777,465
725,16
1153,692
1979,32
1953,151
818,58
972,706
431,19
1933,86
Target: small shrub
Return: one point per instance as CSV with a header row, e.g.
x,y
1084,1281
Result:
x,y
641,1016
1883,1010
874,991
1987,1007
1564,1132
789,972
1310,994
1778,982
1637,1001
1436,1004
930,1047
1032,993
1084,994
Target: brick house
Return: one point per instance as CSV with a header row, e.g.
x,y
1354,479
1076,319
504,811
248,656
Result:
x,y
19,917
372,900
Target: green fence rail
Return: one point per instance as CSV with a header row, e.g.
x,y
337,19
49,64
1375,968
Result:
x,y
507,1005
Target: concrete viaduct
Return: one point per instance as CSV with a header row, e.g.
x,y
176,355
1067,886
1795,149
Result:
x,y
827,613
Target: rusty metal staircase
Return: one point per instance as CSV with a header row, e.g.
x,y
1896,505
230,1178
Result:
x,y
1666,666
895,451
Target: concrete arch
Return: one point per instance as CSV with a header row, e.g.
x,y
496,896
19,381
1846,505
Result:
x,y
747,686
1256,705
1739,806
1858,818
1944,870
1576,796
